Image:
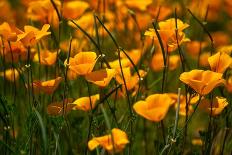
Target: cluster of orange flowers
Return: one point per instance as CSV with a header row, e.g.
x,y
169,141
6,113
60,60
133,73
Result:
x,y
82,62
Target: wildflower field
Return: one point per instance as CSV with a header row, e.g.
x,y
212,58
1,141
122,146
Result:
x,y
127,77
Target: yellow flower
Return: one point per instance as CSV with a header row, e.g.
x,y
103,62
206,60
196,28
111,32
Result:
x,y
84,104
219,62
229,84
10,74
203,82
32,35
117,143
43,11
168,34
46,57
219,103
131,80
197,141
8,32
157,62
138,4
47,87
82,63
101,77
154,108
70,9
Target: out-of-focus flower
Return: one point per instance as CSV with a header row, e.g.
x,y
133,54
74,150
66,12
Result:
x,y
200,7
43,11
84,104
164,11
116,143
76,46
6,13
219,62
32,35
19,52
203,82
229,84
70,9
46,57
182,110
138,4
131,80
218,104
220,38
47,87
10,74
193,47
134,54
154,108
203,60
197,141
101,77
59,108
157,63
9,32
82,64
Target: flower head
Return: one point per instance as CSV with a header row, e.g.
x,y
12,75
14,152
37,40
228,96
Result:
x,y
32,35
82,63
47,87
154,108
84,103
219,62
219,103
101,77
203,82
117,143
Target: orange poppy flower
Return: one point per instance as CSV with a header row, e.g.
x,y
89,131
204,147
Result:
x,y
76,47
46,57
9,32
47,87
102,77
229,84
32,35
19,52
154,108
138,4
225,49
219,103
43,11
203,60
10,74
117,143
70,9
134,54
82,63
131,80
57,108
83,103
220,38
157,62
6,13
197,141
203,82
182,110
193,47
168,34
219,62
164,11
